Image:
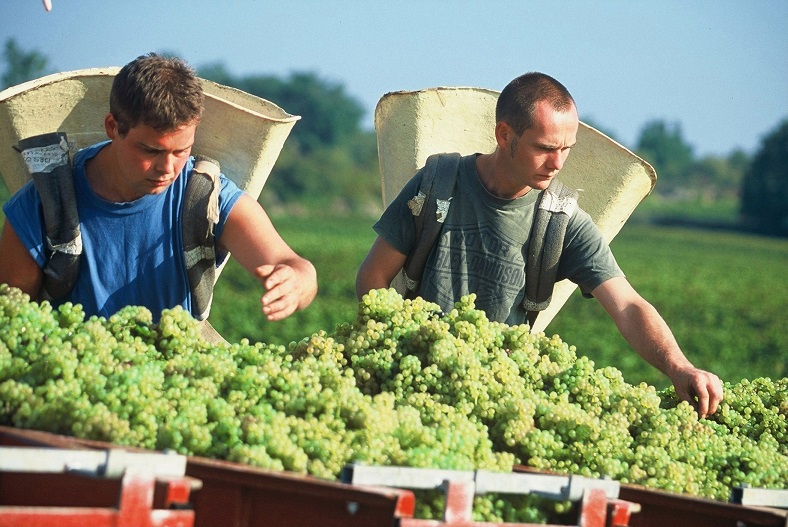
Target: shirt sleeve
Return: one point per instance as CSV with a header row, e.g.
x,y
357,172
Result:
x,y
586,258
396,224
228,197
29,226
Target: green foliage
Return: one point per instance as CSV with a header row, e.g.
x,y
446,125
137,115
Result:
x,y
764,203
21,66
681,176
660,210
337,178
686,184
713,178
4,195
664,147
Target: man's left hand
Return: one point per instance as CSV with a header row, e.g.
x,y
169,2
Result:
x,y
282,294
702,389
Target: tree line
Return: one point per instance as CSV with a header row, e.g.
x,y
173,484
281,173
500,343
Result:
x,y
329,163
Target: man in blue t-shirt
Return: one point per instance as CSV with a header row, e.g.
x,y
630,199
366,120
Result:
x,y
130,201
484,238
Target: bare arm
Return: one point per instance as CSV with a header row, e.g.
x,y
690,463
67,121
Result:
x,y
18,268
290,281
646,331
379,268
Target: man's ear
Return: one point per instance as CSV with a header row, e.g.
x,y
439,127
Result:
x,y
504,134
111,126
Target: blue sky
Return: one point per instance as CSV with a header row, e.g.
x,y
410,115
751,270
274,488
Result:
x,y
718,68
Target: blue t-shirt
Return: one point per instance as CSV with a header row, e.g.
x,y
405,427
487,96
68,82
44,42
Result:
x,y
132,252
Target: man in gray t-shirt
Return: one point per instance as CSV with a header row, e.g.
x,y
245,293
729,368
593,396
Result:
x,y
483,245
484,239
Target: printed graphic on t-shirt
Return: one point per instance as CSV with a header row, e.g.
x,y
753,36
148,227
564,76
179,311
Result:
x,y
475,258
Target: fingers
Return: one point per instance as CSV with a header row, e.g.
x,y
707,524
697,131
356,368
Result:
x,y
703,390
715,391
702,402
281,297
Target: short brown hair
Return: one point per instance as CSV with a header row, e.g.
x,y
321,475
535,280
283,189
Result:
x,y
517,103
161,92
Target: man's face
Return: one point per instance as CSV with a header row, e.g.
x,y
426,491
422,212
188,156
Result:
x,y
149,161
539,153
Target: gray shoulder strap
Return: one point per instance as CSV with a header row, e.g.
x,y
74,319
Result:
x,y
201,213
430,207
48,162
556,206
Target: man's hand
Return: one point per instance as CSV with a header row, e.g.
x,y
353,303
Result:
x,y
702,389
282,295
290,281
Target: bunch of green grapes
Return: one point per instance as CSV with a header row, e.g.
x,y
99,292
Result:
x,y
553,410
402,384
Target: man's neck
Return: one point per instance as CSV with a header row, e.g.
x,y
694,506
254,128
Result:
x,y
494,174
99,171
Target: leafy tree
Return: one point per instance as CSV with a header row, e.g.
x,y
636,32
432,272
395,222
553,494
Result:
x,y
21,66
338,179
715,177
764,201
663,146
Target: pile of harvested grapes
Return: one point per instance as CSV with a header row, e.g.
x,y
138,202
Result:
x,y
403,384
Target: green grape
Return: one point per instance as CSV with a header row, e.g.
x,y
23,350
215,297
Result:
x,y
402,384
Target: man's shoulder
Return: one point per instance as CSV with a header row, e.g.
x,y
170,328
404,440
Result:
x,y
25,197
581,226
580,216
84,154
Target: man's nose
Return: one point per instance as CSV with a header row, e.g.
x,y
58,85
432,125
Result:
x,y
556,160
165,164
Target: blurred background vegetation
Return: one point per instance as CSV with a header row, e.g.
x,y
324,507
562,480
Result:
x,y
707,247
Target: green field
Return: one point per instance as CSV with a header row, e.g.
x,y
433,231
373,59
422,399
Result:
x,y
724,295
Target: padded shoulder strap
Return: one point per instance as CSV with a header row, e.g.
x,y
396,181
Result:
x,y
201,213
430,207
48,162
556,206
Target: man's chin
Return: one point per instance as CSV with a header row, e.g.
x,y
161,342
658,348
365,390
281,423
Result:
x,y
542,183
157,187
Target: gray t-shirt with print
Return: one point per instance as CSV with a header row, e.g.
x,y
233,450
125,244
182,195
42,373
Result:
x,y
483,245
